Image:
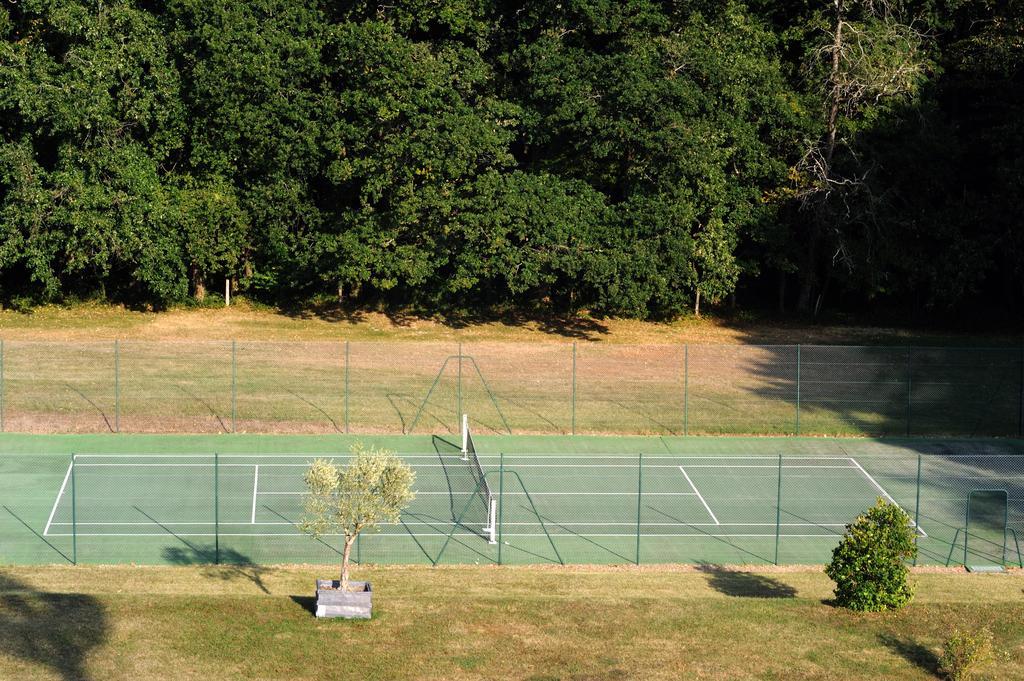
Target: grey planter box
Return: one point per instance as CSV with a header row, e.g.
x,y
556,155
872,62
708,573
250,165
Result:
x,y
331,601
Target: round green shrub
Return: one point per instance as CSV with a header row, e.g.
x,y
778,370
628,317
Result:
x,y
869,566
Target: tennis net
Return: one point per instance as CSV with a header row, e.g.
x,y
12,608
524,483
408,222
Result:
x,y
482,489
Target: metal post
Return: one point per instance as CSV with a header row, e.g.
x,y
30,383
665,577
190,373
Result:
x,y
639,498
347,355
778,511
216,508
797,389
1,385
501,500
917,507
1020,415
117,386
458,392
574,387
74,516
234,387
686,389
910,382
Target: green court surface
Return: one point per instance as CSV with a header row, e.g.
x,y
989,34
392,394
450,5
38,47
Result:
x,y
235,499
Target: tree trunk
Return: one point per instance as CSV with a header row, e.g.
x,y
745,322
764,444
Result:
x,y
782,292
808,278
198,286
696,305
341,293
346,554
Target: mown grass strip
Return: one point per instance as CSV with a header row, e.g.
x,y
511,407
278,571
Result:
x,y
471,623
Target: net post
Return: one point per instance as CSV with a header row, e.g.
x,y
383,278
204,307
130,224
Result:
x,y
492,514
465,437
639,498
798,389
74,514
917,508
117,386
216,508
501,500
234,386
573,432
778,511
686,389
347,356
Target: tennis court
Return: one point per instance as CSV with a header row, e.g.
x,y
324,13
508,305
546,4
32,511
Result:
x,y
634,500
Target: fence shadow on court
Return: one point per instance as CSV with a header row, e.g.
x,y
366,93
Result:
x,y
234,566
744,584
53,630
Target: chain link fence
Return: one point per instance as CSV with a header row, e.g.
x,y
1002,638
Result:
x,y
560,509
585,388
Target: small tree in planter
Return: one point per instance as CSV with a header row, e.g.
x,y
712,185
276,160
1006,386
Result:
x,y
373,487
869,566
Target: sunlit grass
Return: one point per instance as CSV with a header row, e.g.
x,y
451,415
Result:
x,y
471,623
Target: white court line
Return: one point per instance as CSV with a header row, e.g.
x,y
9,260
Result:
x,y
56,501
417,522
886,494
532,494
574,466
699,496
405,535
454,454
255,487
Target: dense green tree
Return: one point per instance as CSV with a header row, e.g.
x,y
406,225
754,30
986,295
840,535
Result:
x,y
639,158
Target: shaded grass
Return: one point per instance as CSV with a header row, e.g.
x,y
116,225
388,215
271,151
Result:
x,y
471,623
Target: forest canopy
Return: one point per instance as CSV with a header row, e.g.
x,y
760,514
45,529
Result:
x,y
638,158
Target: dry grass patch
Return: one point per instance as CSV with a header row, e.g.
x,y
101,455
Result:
x,y
244,321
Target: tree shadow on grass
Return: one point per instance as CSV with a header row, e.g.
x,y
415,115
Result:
x,y
910,650
53,630
234,565
745,584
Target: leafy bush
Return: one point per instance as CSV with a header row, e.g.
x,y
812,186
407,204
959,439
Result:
x,y
964,654
869,565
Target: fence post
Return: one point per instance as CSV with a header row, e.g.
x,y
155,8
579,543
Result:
x,y
216,508
1,385
778,511
573,387
501,500
1020,415
910,382
686,389
917,507
347,356
639,498
117,386
74,516
234,386
458,394
798,389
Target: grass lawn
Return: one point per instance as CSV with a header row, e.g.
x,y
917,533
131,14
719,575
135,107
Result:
x,y
484,623
246,321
